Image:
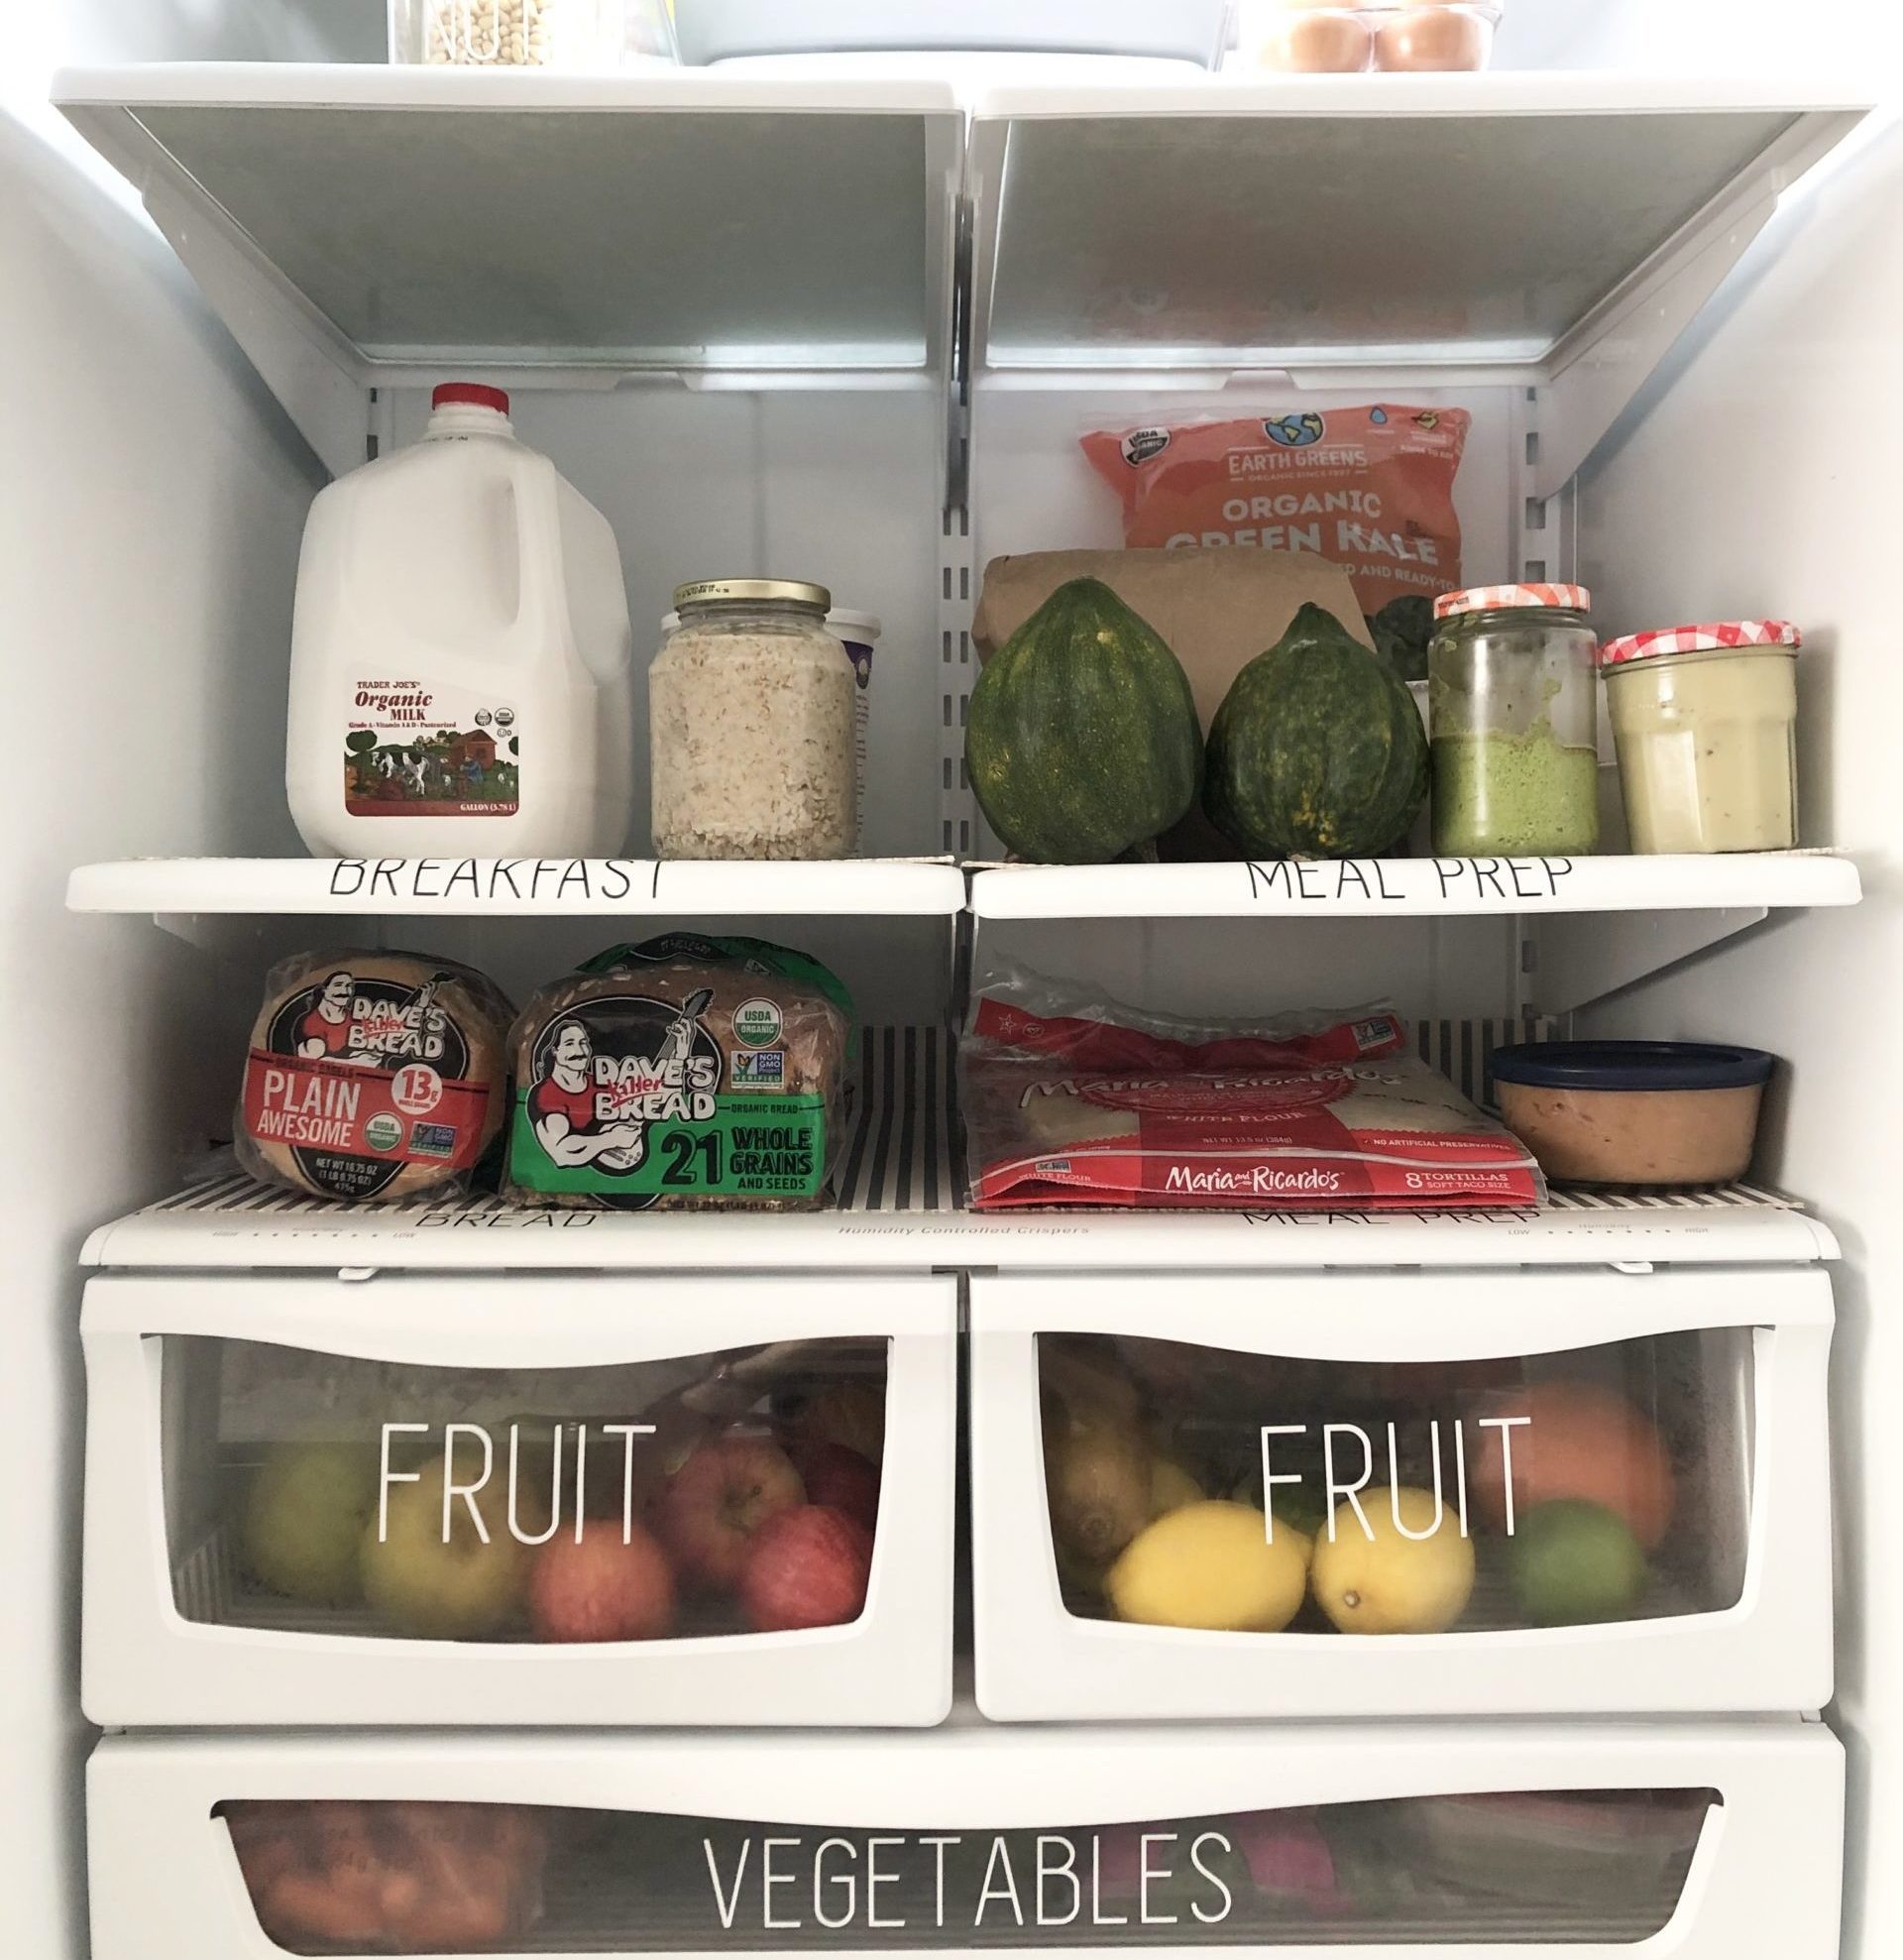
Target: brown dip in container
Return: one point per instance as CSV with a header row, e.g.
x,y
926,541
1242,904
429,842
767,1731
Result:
x,y
1633,1113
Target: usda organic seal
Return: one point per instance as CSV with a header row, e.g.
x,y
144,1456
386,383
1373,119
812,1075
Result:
x,y
757,1023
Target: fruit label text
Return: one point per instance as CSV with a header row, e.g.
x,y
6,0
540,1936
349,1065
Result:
x,y
530,1497
1120,1876
1348,1470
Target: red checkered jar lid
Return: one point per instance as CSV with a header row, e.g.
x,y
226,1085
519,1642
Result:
x,y
1496,598
1716,636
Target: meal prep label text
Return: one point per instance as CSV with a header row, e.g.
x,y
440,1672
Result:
x,y
1503,882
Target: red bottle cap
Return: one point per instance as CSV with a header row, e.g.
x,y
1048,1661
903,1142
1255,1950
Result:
x,y
472,392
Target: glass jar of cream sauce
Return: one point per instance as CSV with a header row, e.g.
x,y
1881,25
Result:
x,y
1704,720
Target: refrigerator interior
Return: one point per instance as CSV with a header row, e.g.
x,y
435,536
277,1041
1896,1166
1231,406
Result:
x,y
148,580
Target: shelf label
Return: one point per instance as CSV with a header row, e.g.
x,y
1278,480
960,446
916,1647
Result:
x,y
489,880
991,1886
1504,1216
1343,1483
1505,882
506,1221
447,1507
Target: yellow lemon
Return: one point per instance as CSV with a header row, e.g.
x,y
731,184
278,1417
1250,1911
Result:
x,y
1171,1487
1210,1565
1378,1579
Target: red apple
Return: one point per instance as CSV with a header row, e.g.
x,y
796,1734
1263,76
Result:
x,y
601,1589
725,1492
809,1567
841,1478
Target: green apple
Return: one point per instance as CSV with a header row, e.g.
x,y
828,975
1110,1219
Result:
x,y
304,1517
435,1585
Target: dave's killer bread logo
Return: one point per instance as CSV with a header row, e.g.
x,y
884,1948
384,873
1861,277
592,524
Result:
x,y
359,1077
605,1074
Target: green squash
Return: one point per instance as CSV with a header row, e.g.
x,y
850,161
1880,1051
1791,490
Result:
x,y
1317,751
1081,739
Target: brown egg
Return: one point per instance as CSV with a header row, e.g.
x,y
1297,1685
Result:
x,y
1432,39
1317,40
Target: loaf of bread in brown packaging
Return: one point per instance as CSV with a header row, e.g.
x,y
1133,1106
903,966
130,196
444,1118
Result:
x,y
684,1072
373,1075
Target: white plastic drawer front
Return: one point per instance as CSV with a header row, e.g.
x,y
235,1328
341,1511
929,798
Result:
x,y
522,1501
1538,1493
1710,1842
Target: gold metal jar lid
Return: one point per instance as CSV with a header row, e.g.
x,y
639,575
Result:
x,y
755,591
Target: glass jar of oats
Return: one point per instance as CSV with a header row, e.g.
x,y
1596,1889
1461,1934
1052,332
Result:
x,y
530,33
750,723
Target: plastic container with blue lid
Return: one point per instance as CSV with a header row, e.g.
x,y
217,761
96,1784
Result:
x,y
1633,1113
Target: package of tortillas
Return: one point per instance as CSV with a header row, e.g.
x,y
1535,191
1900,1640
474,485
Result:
x,y
682,1072
373,1076
1071,1098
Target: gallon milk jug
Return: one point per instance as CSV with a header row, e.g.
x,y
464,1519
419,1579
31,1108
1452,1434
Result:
x,y
460,657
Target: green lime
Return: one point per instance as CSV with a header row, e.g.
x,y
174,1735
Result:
x,y
1573,1562
1298,1505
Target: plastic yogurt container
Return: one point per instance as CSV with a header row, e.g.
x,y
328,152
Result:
x,y
859,634
1633,1113
1704,720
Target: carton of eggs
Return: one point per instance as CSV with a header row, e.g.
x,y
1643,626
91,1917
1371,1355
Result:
x,y
1322,36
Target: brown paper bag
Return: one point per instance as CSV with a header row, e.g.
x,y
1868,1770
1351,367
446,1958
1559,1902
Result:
x,y
1215,610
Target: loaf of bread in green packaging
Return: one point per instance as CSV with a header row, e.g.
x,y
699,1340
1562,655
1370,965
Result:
x,y
683,1073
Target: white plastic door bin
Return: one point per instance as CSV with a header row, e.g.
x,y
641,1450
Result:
x,y
200,1612
1705,1841
1712,1382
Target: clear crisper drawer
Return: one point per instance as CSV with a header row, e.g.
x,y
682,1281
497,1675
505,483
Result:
x,y
1401,1494
523,1501
1709,1841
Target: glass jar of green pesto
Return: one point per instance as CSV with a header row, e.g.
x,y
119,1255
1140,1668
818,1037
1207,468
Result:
x,y
1513,720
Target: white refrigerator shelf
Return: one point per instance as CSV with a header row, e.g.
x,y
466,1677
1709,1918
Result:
x,y
1346,185
902,1179
1416,888
806,227
885,887
518,887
